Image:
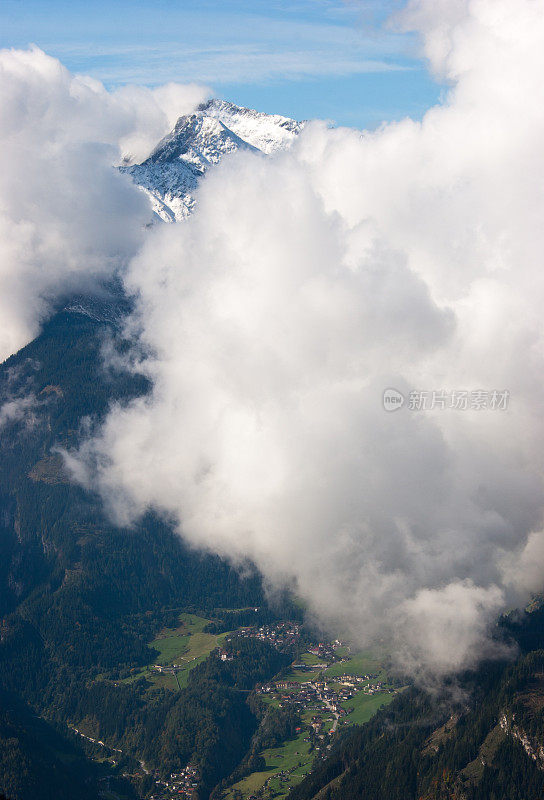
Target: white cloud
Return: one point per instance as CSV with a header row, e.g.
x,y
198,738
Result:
x,y
66,217
306,284
450,625
302,287
17,409
155,112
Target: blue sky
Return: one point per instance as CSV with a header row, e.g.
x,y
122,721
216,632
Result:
x,y
306,58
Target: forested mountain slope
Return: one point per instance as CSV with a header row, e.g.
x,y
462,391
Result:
x,y
79,598
480,738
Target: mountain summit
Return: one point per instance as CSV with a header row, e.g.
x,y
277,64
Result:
x,y
171,172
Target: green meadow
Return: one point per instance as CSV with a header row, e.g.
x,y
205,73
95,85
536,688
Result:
x,y
187,645
365,706
292,756
364,663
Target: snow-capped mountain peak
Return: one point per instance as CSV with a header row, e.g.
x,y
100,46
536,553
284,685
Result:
x,y
200,140
197,139
266,132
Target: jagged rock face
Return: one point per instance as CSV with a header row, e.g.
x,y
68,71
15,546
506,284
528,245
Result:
x,y
533,749
266,132
198,141
171,173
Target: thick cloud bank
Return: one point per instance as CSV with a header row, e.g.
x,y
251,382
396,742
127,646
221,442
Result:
x,y
306,284
66,217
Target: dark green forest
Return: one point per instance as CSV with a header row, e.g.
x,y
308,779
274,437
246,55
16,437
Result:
x,y
80,598
464,743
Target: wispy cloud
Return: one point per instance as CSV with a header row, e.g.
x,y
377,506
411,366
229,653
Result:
x,y
221,64
212,42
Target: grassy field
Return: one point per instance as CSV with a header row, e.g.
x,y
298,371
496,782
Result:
x,y
187,642
310,659
292,757
365,706
363,663
299,676
187,645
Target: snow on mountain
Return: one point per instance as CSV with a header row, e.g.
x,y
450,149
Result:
x,y
266,132
171,173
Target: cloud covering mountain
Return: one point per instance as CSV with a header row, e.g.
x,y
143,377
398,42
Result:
x,y
66,217
172,171
306,283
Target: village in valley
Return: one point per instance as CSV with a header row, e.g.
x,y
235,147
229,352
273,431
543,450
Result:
x,y
180,784
326,687
329,687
